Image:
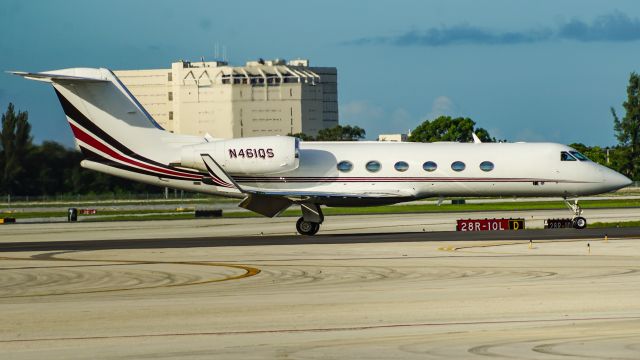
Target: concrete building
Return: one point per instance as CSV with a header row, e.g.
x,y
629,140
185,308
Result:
x,y
261,98
393,137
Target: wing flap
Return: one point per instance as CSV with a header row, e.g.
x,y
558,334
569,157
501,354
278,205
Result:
x,y
269,206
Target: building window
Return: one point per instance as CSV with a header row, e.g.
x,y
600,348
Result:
x,y
345,166
401,166
373,166
170,115
486,166
457,166
169,76
170,95
429,166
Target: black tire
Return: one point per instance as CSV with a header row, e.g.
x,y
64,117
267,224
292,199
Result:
x,y
307,227
579,222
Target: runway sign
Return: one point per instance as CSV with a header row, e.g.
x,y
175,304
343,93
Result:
x,y
489,224
558,223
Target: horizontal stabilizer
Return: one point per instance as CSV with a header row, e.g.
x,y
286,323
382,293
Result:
x,y
55,77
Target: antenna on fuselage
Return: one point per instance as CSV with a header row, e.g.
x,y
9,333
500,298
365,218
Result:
x,y
476,139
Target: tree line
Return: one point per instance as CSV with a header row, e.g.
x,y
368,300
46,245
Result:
x,y
49,168
52,169
336,133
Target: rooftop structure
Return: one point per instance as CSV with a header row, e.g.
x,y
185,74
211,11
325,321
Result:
x,y
271,97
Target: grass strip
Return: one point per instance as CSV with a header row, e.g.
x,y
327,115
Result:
x,y
47,214
615,224
396,209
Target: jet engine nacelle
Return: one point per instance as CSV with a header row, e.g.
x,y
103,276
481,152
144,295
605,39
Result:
x,y
254,155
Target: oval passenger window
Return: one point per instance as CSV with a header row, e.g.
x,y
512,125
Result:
x,y
429,166
486,166
401,166
345,166
457,166
373,166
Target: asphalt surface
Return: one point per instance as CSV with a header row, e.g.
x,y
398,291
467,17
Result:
x,y
370,287
364,238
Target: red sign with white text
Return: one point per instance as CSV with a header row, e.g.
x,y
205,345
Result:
x,y
489,224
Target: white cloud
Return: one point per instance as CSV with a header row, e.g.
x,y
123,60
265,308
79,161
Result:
x,y
442,105
362,113
360,110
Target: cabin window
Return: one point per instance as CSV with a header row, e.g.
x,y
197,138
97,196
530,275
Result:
x,y
401,166
486,166
565,156
373,166
345,166
457,166
429,166
579,155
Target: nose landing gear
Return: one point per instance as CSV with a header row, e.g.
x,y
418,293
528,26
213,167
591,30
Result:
x,y
579,222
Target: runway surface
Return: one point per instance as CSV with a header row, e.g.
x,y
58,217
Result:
x,y
409,295
439,236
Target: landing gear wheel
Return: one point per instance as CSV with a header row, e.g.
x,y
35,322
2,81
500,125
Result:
x,y
307,227
579,222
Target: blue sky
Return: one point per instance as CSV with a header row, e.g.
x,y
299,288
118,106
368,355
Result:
x,y
524,70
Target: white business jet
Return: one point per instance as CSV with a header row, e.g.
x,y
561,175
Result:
x,y
118,137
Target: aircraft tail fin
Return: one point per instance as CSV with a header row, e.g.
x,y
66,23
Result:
x,y
101,111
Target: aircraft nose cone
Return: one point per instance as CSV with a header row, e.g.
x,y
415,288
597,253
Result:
x,y
616,180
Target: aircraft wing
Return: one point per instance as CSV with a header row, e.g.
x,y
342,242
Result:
x,y
301,195
273,202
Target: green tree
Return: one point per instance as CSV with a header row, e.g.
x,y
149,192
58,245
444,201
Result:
x,y
336,133
627,130
302,136
341,133
15,144
446,128
595,153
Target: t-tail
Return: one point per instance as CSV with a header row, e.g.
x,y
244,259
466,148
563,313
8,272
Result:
x,y
114,132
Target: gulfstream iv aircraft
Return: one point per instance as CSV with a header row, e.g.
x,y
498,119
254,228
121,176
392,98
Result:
x,y
117,136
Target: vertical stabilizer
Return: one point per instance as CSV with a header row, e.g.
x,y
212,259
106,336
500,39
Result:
x,y
110,125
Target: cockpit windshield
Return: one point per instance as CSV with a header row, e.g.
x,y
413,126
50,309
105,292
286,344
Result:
x,y
579,155
565,156
572,156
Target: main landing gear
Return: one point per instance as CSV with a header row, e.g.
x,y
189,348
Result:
x,y
312,217
578,221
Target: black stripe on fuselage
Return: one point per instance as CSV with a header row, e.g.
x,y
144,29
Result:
x,y
92,156
73,113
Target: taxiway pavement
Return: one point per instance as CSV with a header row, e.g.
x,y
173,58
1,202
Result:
x,y
73,293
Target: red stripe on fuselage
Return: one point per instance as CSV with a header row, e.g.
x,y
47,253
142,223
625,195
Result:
x,y
88,139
